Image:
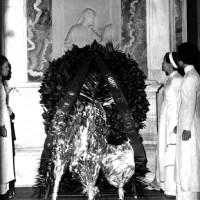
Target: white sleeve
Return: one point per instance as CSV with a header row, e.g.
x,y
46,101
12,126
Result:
x,y
2,106
177,87
191,92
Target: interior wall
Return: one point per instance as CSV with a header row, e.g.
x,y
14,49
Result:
x,y
192,27
198,22
133,31
1,27
39,38
179,26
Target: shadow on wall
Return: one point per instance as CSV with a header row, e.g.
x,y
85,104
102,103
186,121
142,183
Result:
x,y
1,26
197,66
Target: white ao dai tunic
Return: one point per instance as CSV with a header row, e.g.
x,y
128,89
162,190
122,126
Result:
x,y
187,170
168,120
6,151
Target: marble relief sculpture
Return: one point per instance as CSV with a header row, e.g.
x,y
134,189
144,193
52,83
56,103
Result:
x,y
83,32
108,35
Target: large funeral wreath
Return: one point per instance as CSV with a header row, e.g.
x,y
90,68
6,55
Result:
x,y
61,73
131,78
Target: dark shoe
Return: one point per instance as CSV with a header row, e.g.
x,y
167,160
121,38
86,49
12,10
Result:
x,y
170,196
10,194
152,187
3,196
162,191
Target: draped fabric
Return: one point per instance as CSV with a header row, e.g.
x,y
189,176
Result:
x,y
168,120
80,35
6,150
187,171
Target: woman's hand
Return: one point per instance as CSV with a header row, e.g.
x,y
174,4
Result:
x,y
3,131
186,135
9,110
11,113
175,129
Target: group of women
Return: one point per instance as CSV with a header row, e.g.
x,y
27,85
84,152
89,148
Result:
x,y
178,146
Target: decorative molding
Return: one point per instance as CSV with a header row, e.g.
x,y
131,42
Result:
x,y
158,34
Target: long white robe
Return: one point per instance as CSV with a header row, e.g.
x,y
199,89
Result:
x,y
168,120
6,151
187,169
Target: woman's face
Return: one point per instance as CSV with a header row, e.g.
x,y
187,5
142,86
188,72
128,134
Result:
x,y
4,69
91,19
165,65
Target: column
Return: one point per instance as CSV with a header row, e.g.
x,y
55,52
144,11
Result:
x,y
15,38
24,100
158,36
150,132
158,43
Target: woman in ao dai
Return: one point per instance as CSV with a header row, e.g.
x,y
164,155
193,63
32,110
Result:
x,y
187,168
168,123
6,148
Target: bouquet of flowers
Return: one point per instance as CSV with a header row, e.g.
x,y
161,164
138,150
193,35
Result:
x,y
118,165
90,145
64,133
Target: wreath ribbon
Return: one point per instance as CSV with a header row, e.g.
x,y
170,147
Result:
x,y
119,99
121,103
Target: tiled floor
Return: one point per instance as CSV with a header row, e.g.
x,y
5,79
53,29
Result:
x,y
26,193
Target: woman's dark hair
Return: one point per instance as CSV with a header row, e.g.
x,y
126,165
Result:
x,y
8,77
188,53
3,59
175,58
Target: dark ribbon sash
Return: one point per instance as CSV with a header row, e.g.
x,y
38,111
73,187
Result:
x,y
118,97
121,103
75,87
122,106
65,105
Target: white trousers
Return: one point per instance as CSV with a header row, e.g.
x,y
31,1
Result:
x,y
169,184
181,195
4,188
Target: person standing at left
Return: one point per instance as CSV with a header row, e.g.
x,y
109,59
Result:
x,y
6,148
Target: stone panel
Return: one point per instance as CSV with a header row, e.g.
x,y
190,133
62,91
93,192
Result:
x,y
134,31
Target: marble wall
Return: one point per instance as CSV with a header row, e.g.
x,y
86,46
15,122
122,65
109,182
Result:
x,y
178,22
39,38
134,31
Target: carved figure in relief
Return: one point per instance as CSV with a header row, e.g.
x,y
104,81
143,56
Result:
x,y
83,32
